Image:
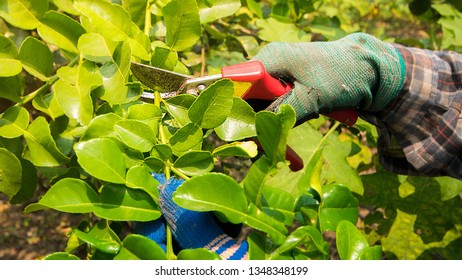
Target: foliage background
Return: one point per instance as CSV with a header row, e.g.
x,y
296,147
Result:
x,y
410,217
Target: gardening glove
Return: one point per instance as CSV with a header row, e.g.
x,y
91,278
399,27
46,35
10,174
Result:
x,y
357,72
190,229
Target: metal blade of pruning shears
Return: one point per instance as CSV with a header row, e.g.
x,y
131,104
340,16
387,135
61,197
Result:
x,y
170,83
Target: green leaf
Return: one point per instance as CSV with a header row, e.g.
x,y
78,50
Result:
x,y
350,242
12,88
255,179
101,237
137,10
272,30
239,124
338,204
119,203
28,183
278,204
213,105
10,173
178,107
61,256
450,187
197,254
163,57
67,6
60,30
417,219
162,151
110,20
96,48
257,219
102,158
138,247
249,44
218,192
255,7
14,122
194,163
212,10
371,253
9,65
36,58
136,134
154,164
307,236
185,138
138,177
246,149
73,95
182,23
42,149
140,43
213,192
24,14
101,126
48,104
336,168
147,113
115,76
273,130
67,195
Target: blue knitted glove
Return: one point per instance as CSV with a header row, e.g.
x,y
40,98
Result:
x,y
191,229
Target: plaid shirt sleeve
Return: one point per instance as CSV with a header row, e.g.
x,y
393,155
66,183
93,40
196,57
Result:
x,y
420,132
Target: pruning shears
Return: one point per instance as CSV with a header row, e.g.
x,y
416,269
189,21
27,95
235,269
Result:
x,y
253,83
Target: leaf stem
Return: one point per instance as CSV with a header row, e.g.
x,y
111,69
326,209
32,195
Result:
x,y
179,173
170,253
48,84
147,18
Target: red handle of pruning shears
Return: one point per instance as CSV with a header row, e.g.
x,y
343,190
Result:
x,y
266,87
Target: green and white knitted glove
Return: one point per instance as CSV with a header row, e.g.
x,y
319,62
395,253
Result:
x,y
356,72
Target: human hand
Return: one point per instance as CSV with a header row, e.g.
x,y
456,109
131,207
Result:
x,y
357,72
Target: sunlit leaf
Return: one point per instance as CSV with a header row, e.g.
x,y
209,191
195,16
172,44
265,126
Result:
x,y
96,48
272,30
60,30
186,138
338,204
194,163
138,177
239,124
138,247
110,20
239,149
9,64
197,254
102,158
68,195
213,105
136,134
182,23
25,14
14,122
36,58
211,10
42,149
350,241
119,203
273,130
